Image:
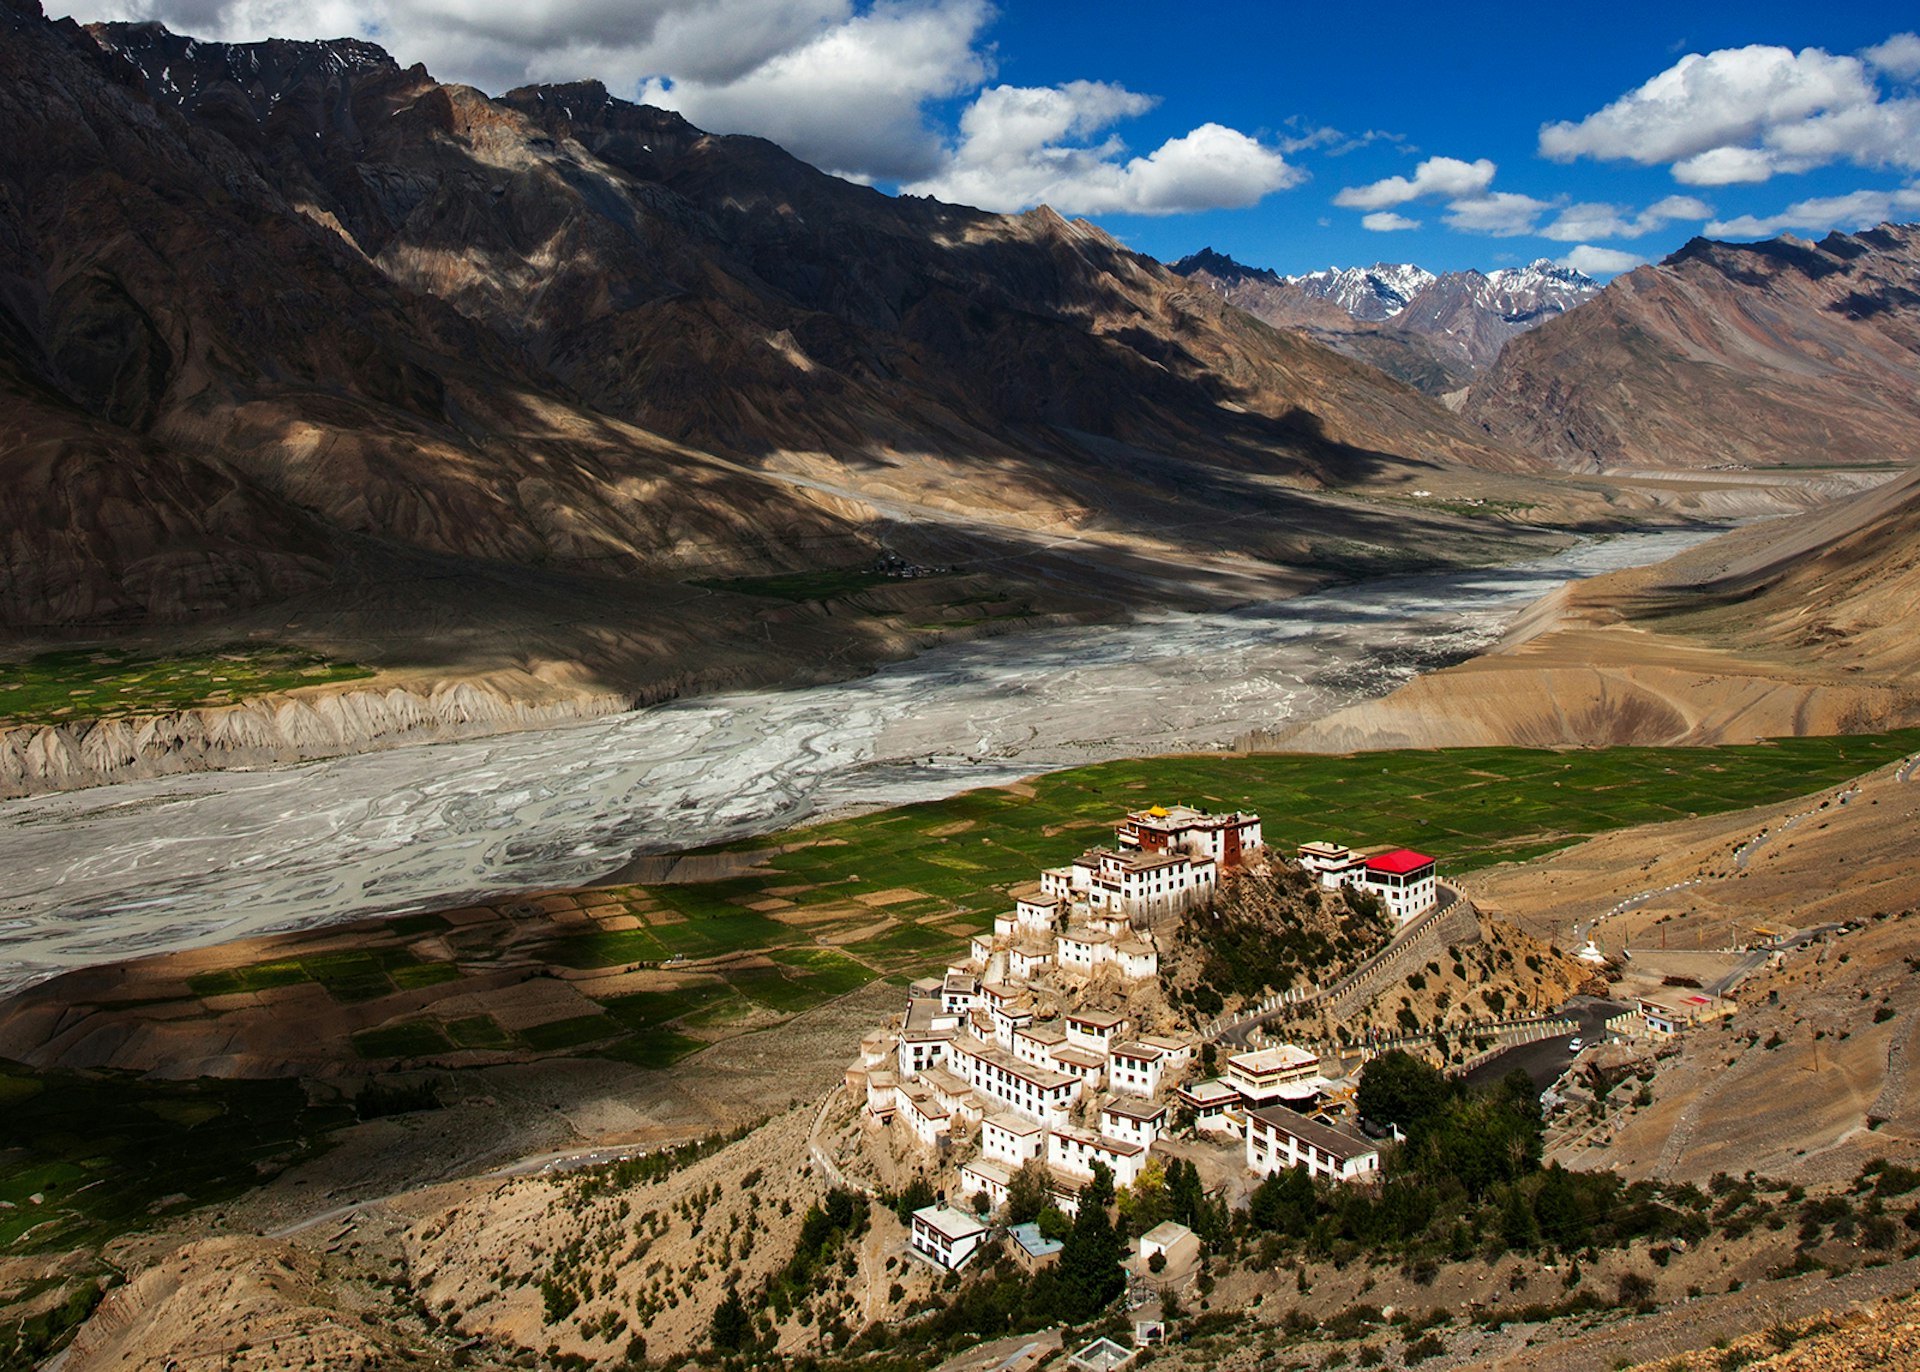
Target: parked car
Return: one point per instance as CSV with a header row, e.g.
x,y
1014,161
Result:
x,y
1576,1045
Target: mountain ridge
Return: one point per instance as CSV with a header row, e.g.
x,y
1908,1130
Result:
x,y
1727,355
1433,331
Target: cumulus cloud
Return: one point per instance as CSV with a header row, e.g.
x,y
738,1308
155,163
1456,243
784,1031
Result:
x,y
1898,57
1601,261
1023,145
848,85
1386,221
1744,115
851,98
1583,221
1437,177
1857,210
1498,214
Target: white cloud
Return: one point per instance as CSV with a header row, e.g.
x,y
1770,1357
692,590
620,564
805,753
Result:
x,y
1601,261
1439,177
851,98
1898,57
1583,221
1860,209
1744,115
1725,167
1499,214
1386,221
847,85
1022,145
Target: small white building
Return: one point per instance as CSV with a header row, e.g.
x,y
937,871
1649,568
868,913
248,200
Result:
x,y
1081,949
1278,1138
1179,1051
1136,1068
1216,1106
1036,1092
881,1101
959,992
928,1121
1285,1071
1036,1043
947,1237
1137,960
1075,1151
980,949
1332,864
1179,1245
1011,1139
1038,911
1079,1062
1094,1030
1133,1123
1028,963
1406,882
923,1048
1137,884
982,1176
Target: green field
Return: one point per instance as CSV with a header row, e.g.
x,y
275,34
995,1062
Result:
x,y
1470,807
106,1153
110,683
349,976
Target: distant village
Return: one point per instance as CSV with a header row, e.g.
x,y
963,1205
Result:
x,y
986,1069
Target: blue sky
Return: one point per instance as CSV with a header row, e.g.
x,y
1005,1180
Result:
x,y
1289,137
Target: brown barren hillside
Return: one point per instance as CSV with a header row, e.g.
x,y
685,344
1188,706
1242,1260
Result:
x,y
1726,354
1795,626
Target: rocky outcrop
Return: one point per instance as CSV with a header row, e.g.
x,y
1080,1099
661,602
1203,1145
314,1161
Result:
x,y
1726,355
274,729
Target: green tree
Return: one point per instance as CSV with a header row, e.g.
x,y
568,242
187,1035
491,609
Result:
x,y
1089,1267
1400,1089
1028,1192
731,1326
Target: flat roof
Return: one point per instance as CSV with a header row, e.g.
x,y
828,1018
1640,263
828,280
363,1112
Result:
x,y
1079,1057
1049,1032
1399,861
1325,1137
1146,1052
991,1170
1028,1236
1100,1141
1321,848
1043,1077
1278,1058
1167,1041
949,1223
1167,1233
1209,1092
1015,1124
1107,1018
1140,1110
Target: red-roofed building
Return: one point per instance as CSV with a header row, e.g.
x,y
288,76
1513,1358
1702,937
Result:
x,y
1405,881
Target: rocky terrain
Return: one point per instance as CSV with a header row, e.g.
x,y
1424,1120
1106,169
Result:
x,y
1436,333
1790,627
1726,355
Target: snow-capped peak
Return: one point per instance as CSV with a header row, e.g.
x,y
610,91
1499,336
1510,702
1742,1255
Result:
x,y
1377,292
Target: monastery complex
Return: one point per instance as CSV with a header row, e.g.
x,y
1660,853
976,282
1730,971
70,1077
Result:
x,y
1002,1060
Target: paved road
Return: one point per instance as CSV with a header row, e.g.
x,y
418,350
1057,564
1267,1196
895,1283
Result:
x,y
1544,1061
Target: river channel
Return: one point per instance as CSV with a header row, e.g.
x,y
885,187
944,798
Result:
x,y
103,875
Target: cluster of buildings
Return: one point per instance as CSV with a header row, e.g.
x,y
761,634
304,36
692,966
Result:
x,y
988,1065
1406,883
